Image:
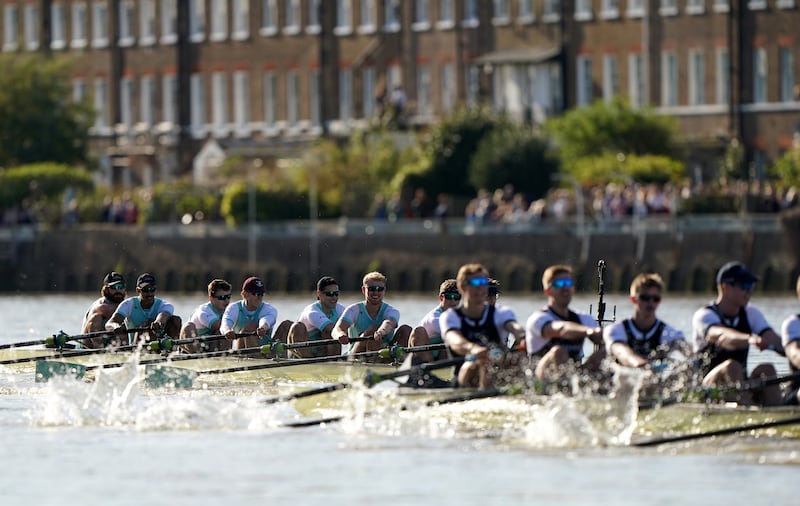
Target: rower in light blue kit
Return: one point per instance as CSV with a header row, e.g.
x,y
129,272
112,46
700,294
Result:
x,y
373,319
790,337
429,331
556,334
725,330
207,318
113,292
317,321
251,314
145,310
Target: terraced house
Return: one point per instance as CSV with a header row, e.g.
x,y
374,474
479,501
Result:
x,y
167,76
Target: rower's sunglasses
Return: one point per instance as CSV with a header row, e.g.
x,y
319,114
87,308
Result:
x,y
452,296
650,298
562,283
258,294
223,297
478,282
117,286
376,288
148,289
331,293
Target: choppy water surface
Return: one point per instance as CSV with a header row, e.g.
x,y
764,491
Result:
x,y
114,442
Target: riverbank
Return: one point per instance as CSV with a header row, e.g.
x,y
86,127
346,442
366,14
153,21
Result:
x,y
415,256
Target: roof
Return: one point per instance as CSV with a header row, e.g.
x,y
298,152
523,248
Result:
x,y
520,55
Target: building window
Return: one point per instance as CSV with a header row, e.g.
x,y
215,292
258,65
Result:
x,y
126,101
448,86
669,79
78,25
609,9
697,77
368,91
313,17
147,100
526,13
369,17
635,9
101,103
147,23
695,7
583,10
344,17
552,11
292,24
757,5
127,17
471,19
314,97
786,62
292,98
219,20
636,89
197,20
100,24
198,107
424,103
78,90
169,97
219,101
721,5
759,75
169,21
500,14
392,16
31,27
422,20
446,15
59,30
241,20
610,76
584,80
241,101
723,65
270,98
269,18
345,94
784,4
9,27
668,8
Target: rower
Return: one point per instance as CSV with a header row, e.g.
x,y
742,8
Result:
x,y
790,337
207,317
316,322
249,315
112,293
725,330
428,330
556,333
373,318
145,309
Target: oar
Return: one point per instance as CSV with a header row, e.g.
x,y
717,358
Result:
x,y
720,432
60,339
394,352
430,366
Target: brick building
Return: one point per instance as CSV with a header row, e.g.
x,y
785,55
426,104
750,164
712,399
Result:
x,y
167,75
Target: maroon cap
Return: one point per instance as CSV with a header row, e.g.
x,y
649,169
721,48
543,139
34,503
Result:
x,y
253,285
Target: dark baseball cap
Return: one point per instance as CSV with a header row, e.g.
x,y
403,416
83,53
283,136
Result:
x,y
112,278
735,272
253,285
146,279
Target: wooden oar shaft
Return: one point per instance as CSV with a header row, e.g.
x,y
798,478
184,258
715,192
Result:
x,y
720,432
288,363
425,367
76,337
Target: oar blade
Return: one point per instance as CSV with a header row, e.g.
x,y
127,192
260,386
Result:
x,y
164,376
46,369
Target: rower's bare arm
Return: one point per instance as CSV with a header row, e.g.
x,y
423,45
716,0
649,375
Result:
x,y
572,331
626,356
340,332
768,340
518,331
727,338
793,352
386,327
116,323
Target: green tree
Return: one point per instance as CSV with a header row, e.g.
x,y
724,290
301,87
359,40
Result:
x,y
38,120
787,167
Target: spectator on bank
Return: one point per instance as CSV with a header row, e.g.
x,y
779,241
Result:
x,y
421,206
379,210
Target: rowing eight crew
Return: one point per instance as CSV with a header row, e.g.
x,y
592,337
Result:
x,y
472,325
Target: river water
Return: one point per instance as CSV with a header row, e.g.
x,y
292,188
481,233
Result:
x,y
66,442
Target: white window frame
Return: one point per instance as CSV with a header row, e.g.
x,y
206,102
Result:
x,y
10,27
447,15
269,18
169,98
391,16
583,80
219,103
127,18
786,73
695,7
610,76
760,75
100,23
720,6
126,94
197,20
723,74
636,91
101,105
526,12
368,83
635,9
345,94
344,18
31,23
240,12
293,18
757,5
58,26
78,25
198,105
292,98
551,11
314,98
424,91
270,94
79,90
501,13
669,79
147,22
422,16
471,19
583,10
447,84
313,27
369,17
696,77
147,100
219,21
609,9
785,4
668,7
169,21
241,102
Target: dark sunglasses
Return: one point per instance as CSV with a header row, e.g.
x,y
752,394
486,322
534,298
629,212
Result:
x,y
222,297
452,296
478,281
258,294
331,293
562,283
148,289
650,298
117,286
376,288
747,286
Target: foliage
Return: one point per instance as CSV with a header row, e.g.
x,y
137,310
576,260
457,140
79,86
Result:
x,y
513,154
787,167
41,181
271,205
710,203
38,120
612,126
593,170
